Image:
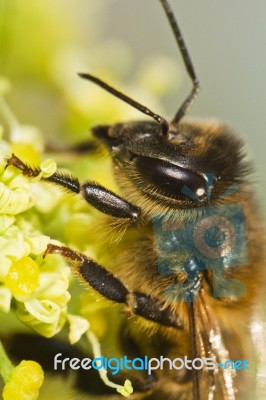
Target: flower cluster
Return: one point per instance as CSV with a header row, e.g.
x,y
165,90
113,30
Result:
x,y
34,287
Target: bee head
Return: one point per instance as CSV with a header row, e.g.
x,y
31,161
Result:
x,y
189,168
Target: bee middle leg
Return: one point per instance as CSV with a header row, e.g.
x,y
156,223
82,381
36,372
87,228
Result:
x,y
105,283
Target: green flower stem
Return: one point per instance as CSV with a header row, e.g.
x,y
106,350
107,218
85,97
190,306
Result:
x,y
6,366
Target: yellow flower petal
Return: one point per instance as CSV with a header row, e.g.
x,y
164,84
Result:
x,y
43,310
5,263
78,326
44,317
5,299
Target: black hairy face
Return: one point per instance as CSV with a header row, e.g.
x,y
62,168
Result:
x,y
192,167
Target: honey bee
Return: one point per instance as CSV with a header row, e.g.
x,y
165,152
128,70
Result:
x,y
190,264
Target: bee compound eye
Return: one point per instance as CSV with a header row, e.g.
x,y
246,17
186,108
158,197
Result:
x,y
171,179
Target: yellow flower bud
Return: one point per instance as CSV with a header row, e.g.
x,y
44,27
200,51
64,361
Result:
x,y
25,382
23,278
48,168
126,390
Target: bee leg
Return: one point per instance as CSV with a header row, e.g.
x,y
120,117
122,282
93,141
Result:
x,y
96,195
108,202
81,148
105,283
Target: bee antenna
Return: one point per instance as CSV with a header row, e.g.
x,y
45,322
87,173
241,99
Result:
x,y
187,61
128,100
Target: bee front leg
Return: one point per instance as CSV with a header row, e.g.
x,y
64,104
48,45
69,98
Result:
x,y
108,202
105,283
94,194
82,148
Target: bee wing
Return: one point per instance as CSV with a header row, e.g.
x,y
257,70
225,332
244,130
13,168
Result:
x,y
258,332
217,383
